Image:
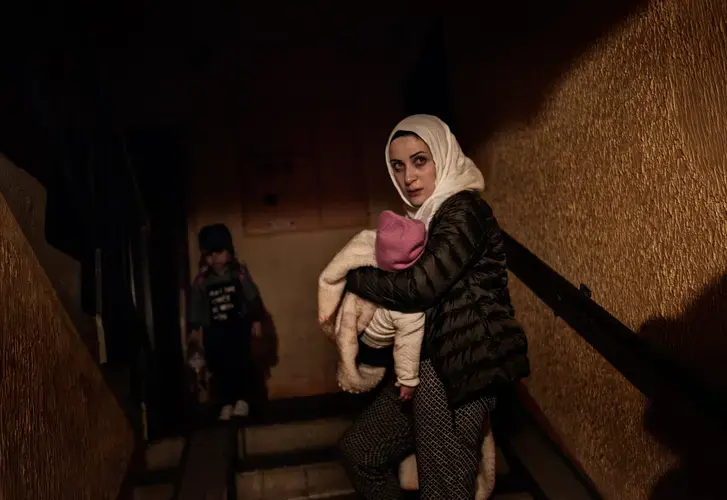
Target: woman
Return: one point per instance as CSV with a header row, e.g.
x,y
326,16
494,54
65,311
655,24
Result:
x,y
472,343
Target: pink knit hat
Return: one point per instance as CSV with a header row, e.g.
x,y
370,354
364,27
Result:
x,y
400,241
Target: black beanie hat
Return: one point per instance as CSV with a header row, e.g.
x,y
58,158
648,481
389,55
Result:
x,y
215,238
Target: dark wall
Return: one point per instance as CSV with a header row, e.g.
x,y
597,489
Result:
x,y
160,162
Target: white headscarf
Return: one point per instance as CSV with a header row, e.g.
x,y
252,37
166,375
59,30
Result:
x,y
455,172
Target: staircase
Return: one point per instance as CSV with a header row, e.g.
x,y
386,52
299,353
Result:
x,y
291,451
292,455
155,471
293,460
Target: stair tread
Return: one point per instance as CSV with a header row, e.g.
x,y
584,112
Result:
x,y
165,454
290,437
289,459
300,409
208,462
321,480
153,492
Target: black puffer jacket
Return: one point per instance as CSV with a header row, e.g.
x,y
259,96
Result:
x,y
460,280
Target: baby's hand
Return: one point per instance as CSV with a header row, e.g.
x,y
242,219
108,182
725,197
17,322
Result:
x,y
406,393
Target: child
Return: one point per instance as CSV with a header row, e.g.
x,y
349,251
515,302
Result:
x,y
399,242
226,311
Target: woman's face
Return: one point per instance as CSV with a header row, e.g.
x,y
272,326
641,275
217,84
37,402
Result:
x,y
413,167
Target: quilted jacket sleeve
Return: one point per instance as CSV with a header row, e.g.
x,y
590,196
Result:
x,y
456,236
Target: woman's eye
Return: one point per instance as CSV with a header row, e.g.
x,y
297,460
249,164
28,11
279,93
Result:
x,y
396,166
420,160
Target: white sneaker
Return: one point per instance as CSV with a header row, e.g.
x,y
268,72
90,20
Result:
x,y
226,412
242,409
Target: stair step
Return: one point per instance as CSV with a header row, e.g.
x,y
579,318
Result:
x,y
289,459
208,463
314,481
506,484
298,409
156,470
165,454
291,437
154,492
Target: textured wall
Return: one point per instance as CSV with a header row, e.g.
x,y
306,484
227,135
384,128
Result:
x,y
62,435
614,171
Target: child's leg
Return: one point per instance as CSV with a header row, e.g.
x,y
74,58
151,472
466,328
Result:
x,y
245,370
216,354
238,363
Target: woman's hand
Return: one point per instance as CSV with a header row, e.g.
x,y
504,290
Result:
x,y
406,393
464,224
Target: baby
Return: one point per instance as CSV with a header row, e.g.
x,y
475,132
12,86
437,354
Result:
x,y
397,243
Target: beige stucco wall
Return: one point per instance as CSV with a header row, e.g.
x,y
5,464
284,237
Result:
x,y
615,174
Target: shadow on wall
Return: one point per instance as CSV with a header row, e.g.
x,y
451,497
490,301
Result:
x,y
265,355
506,57
698,338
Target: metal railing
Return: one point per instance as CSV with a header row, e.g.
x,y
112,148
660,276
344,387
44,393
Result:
x,y
642,364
